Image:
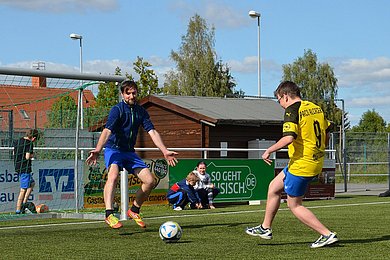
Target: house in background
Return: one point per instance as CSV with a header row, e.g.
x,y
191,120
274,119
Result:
x,y
31,104
209,122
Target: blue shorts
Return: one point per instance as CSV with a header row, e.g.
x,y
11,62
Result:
x,y
26,180
124,160
295,185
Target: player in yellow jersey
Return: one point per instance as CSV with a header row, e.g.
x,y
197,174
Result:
x,y
306,133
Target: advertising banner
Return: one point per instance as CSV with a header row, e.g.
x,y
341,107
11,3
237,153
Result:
x,y
54,184
95,178
237,180
322,186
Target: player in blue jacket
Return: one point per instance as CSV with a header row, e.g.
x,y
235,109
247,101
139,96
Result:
x,y
118,138
181,193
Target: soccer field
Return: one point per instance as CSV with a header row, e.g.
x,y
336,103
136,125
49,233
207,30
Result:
x,y
362,224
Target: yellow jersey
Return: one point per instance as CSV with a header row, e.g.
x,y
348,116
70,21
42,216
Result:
x,y
305,121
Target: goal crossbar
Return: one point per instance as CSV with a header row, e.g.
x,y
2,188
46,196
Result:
x,y
52,74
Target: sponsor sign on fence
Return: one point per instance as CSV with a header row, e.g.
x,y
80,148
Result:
x,y
95,178
322,186
237,180
54,184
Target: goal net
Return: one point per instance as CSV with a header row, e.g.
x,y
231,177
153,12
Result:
x,y
63,108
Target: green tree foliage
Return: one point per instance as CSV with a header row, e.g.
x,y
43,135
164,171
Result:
x,y
317,81
371,122
63,113
198,73
148,80
171,84
367,141
108,94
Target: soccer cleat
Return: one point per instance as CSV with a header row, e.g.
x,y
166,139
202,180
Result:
x,y
265,233
325,240
113,221
137,218
177,208
385,194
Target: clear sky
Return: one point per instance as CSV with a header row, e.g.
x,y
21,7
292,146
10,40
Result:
x,y
351,35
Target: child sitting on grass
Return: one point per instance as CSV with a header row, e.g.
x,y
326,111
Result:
x,y
181,193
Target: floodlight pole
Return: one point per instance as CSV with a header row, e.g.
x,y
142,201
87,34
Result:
x,y
255,14
80,116
75,36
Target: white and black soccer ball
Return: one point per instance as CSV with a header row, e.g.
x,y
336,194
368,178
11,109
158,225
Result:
x,y
170,232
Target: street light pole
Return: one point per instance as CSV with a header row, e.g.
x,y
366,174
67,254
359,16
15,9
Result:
x,y
255,14
75,36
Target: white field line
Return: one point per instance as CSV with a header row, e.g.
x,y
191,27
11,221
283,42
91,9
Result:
x,y
194,215
50,225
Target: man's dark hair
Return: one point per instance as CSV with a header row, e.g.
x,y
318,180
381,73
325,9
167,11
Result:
x,y
287,88
31,133
128,83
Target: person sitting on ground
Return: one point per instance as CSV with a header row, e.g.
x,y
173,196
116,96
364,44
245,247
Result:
x,y
205,189
181,193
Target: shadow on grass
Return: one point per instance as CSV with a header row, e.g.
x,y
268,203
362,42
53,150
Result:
x,y
337,244
180,242
340,243
216,225
126,234
367,240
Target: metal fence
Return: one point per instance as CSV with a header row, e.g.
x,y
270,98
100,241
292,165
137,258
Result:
x,y
366,155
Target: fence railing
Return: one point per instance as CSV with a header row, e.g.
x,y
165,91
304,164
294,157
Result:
x,y
364,169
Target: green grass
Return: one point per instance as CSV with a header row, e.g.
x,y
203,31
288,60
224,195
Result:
x,y
362,224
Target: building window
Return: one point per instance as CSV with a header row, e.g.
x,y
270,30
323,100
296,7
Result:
x,y
24,114
224,145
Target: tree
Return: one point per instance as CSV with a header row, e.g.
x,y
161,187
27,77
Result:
x,y
148,80
367,141
370,122
317,81
198,72
63,113
108,94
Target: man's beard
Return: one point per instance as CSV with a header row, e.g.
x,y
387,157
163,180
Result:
x,y
130,102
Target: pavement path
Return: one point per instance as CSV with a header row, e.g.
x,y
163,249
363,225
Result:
x,y
361,188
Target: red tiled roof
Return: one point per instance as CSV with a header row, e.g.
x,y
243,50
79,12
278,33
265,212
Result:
x,y
36,102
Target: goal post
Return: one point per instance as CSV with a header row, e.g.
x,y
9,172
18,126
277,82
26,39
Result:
x,y
27,100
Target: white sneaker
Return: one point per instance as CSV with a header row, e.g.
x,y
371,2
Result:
x,y
265,233
177,208
325,240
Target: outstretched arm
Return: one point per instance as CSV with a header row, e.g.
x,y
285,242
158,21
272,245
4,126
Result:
x,y
94,154
283,142
169,155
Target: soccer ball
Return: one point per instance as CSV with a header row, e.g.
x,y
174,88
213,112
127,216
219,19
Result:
x,y
42,208
170,232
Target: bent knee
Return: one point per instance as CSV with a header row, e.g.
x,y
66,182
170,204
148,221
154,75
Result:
x,y
150,181
292,205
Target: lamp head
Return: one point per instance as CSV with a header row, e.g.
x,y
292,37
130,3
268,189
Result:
x,y
75,36
254,14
